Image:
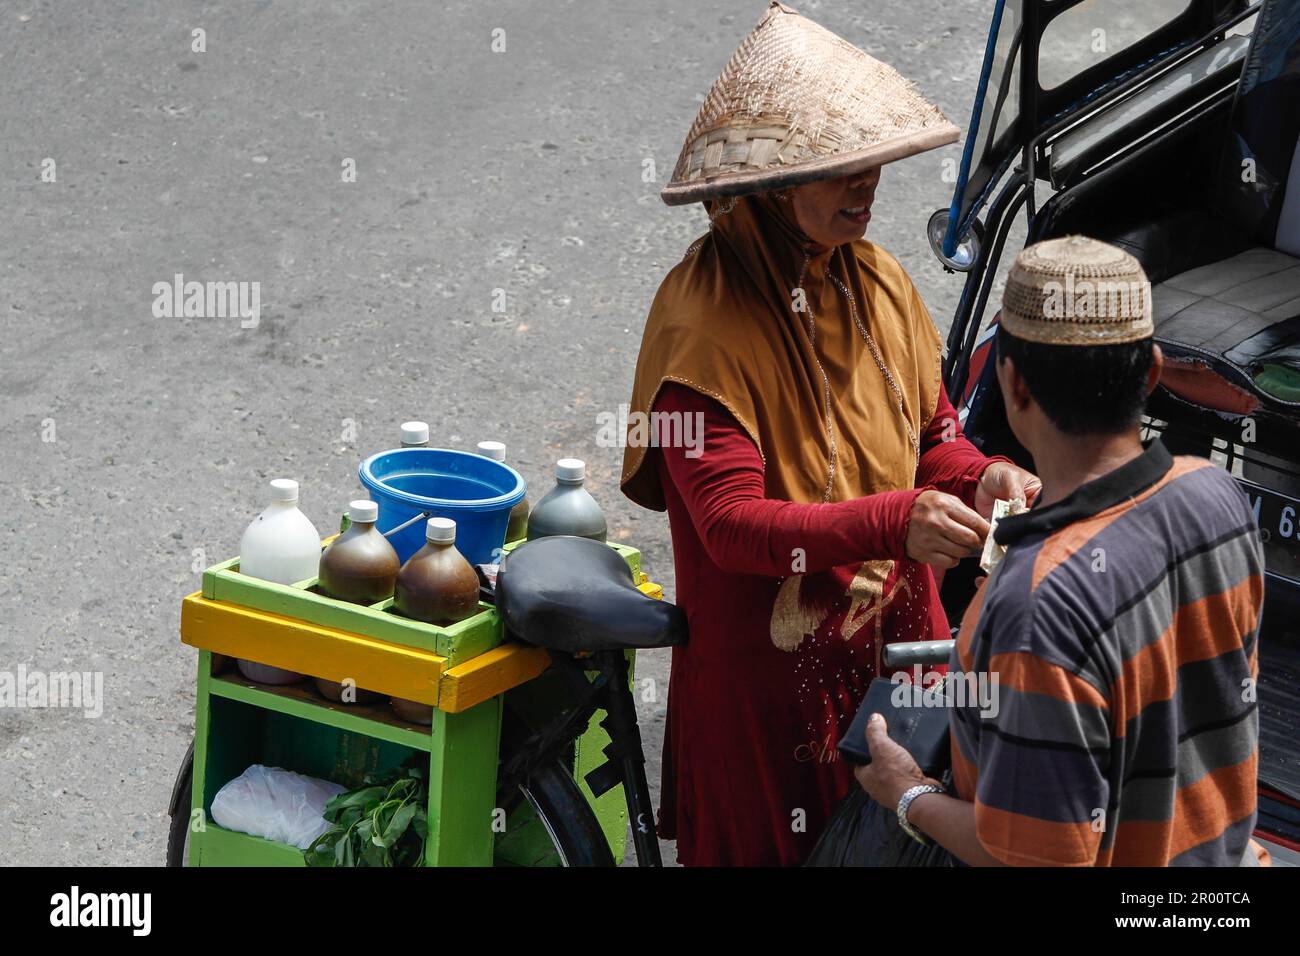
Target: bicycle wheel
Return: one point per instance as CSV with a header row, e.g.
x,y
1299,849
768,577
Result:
x,y
550,823
548,820
178,832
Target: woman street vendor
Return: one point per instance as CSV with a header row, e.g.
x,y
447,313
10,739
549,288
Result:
x,y
833,475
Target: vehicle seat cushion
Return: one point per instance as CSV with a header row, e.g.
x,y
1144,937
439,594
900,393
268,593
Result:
x,y
1223,305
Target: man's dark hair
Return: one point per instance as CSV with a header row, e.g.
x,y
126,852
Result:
x,y
1083,389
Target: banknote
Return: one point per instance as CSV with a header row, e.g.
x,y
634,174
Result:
x,y
993,551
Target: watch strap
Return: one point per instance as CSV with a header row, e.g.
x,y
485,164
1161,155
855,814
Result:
x,y
905,801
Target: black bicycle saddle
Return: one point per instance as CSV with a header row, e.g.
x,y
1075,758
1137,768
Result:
x,y
574,594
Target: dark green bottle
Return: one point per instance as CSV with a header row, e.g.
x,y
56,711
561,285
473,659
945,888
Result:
x,y
568,508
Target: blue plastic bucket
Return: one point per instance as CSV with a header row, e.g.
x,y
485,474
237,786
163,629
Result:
x,y
475,492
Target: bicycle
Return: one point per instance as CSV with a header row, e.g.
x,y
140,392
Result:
x,y
577,599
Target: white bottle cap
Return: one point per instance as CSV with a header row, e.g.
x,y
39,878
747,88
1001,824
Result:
x,y
415,433
440,530
492,449
363,511
571,469
284,489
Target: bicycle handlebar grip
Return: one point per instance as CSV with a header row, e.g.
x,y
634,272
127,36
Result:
x,y
911,653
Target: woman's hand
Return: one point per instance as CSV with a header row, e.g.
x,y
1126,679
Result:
x,y
1004,481
942,530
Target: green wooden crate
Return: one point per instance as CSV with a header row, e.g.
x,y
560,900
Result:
x,y
238,724
457,642
215,846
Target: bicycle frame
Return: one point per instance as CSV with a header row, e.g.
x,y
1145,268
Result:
x,y
608,690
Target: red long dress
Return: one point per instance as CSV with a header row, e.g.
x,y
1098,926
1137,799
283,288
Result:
x,y
750,770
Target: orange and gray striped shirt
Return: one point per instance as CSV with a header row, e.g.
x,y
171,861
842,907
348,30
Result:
x,y
1118,638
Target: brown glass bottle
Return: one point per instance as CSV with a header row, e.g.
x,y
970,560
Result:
x,y
436,584
518,526
359,566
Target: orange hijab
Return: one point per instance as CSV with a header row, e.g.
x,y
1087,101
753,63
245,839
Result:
x,y
826,421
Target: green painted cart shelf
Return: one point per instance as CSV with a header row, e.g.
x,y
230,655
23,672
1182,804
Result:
x,y
463,672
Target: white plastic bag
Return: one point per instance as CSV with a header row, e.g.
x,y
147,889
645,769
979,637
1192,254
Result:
x,y
276,804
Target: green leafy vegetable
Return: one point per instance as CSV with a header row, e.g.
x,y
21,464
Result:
x,y
381,823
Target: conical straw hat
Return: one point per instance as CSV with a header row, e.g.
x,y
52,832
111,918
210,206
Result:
x,y
797,104
1077,291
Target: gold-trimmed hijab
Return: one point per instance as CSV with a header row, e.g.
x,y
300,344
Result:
x,y
735,322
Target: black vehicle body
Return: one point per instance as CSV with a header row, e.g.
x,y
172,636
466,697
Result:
x,y
1167,127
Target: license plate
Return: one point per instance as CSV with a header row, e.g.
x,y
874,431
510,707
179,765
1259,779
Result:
x,y
1278,516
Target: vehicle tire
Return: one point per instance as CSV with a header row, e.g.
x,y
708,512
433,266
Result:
x,y
549,821
178,832
551,800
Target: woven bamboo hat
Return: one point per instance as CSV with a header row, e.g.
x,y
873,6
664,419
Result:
x,y
1077,291
796,104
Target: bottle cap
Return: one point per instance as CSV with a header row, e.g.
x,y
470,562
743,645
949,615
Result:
x,y
492,449
415,433
440,530
363,511
284,489
570,469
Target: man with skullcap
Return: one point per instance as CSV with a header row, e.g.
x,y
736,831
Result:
x,y
1121,625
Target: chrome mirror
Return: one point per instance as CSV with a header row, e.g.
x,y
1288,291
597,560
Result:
x,y
968,248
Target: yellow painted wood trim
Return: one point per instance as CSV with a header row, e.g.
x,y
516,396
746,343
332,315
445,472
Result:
x,y
491,673
285,642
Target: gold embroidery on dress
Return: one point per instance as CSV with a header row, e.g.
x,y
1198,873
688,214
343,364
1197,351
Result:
x,y
792,621
866,591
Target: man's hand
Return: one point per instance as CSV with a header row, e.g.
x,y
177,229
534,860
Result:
x,y
1004,481
942,530
891,771
945,820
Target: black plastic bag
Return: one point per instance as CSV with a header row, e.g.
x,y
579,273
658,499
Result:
x,y
863,833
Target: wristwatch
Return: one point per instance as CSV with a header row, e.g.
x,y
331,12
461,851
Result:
x,y
905,801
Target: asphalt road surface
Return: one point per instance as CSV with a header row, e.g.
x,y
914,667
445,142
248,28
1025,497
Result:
x,y
137,447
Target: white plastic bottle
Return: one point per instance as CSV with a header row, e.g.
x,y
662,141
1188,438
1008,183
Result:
x,y
280,545
415,435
